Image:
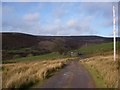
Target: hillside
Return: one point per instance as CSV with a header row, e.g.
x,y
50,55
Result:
x,y
20,40
15,45
100,49
17,40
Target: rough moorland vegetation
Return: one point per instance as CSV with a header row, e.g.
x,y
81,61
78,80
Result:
x,y
26,74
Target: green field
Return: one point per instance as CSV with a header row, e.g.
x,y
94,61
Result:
x,y
40,57
100,49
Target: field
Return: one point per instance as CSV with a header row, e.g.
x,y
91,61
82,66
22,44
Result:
x,y
34,58
100,49
26,74
101,65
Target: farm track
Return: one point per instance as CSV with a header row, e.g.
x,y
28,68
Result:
x,y
74,75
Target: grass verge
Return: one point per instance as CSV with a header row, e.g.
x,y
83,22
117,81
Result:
x,y
96,77
103,69
23,75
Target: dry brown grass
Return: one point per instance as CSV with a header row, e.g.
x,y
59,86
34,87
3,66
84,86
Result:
x,y
106,67
25,74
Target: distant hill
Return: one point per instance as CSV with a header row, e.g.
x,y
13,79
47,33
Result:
x,y
15,44
20,40
17,40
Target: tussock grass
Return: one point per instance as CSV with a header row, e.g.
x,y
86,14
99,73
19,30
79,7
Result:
x,y
25,74
105,67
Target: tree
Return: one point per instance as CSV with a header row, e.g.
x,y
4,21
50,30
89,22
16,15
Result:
x,y
59,46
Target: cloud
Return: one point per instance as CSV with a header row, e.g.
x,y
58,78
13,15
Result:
x,y
101,10
59,9
62,9
98,8
72,23
31,17
29,23
59,18
71,27
108,23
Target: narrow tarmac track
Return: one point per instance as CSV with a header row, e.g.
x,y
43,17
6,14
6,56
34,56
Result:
x,y
74,75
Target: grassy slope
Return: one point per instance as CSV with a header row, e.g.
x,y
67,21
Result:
x,y
101,49
34,58
104,50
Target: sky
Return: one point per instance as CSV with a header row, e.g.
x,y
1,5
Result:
x,y
59,18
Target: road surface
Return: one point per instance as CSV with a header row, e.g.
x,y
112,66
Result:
x,y
74,75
